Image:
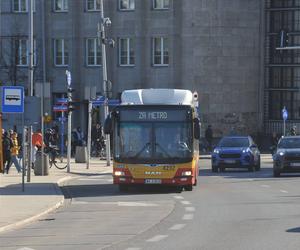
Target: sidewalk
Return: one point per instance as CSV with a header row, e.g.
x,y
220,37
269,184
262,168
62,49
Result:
x,y
42,195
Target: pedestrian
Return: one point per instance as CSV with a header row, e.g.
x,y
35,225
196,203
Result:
x,y
274,141
14,153
6,146
97,139
209,137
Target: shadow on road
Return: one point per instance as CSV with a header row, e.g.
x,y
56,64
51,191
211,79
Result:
x,y
294,230
103,190
264,173
30,189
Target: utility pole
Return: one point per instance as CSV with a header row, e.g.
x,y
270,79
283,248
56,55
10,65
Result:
x,y
105,41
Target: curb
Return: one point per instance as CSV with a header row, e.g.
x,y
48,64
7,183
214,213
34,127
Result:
x,y
21,223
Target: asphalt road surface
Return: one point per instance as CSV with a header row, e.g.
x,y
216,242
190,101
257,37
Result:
x,y
231,210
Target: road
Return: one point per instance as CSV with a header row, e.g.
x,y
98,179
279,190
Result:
x,y
231,210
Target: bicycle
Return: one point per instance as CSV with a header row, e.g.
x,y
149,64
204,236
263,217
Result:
x,y
53,152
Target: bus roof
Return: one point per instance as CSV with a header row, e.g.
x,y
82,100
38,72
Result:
x,y
157,97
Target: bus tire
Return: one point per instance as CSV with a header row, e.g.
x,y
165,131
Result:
x,y
123,188
188,188
178,189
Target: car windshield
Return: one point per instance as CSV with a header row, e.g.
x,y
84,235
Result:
x,y
289,143
147,142
231,142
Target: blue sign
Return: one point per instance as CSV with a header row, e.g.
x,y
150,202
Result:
x,y
13,99
60,108
284,114
101,101
62,100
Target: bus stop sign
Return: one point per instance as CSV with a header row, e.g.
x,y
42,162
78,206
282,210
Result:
x,y
284,114
12,99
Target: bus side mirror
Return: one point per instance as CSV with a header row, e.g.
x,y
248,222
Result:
x,y
108,125
196,129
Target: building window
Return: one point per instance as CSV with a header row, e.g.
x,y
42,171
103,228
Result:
x,y
22,5
126,52
93,52
60,5
160,51
161,4
93,5
61,54
22,52
126,4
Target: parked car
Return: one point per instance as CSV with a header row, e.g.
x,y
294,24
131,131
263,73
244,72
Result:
x,y
236,152
287,156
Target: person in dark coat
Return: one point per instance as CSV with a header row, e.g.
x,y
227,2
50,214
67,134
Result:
x,y
209,137
6,150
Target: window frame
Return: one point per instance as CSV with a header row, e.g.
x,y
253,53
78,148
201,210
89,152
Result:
x,y
95,6
64,51
163,41
19,51
63,4
95,45
163,5
129,9
19,6
130,44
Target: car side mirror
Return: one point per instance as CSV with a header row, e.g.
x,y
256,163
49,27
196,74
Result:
x,y
196,128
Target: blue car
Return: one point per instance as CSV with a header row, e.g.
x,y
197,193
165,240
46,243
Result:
x,y
236,152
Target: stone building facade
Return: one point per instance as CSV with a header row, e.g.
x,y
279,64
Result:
x,y
214,47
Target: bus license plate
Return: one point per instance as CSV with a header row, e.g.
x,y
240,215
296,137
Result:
x,y
230,161
152,181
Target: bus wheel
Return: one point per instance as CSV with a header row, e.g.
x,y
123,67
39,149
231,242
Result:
x,y
188,188
123,188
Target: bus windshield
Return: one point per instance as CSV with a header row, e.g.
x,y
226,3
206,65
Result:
x,y
153,142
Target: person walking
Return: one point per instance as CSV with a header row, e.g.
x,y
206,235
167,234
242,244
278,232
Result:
x,y
209,137
6,147
14,153
293,131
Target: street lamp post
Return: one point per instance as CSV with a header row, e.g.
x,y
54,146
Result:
x,y
105,21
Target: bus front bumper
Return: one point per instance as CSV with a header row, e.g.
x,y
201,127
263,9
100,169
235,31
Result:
x,y
177,181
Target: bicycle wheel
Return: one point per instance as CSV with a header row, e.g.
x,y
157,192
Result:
x,y
59,167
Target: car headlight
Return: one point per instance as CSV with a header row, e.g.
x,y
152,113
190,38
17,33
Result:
x,y
216,151
119,173
246,150
281,153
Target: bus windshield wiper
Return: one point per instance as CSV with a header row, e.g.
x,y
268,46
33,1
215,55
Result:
x,y
142,150
162,149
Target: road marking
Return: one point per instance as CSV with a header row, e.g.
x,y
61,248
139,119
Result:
x,y
178,197
188,217
250,179
25,248
190,209
118,203
157,238
186,202
177,227
265,186
283,191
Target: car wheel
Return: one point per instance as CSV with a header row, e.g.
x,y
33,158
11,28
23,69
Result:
x,y
276,173
251,168
257,167
214,169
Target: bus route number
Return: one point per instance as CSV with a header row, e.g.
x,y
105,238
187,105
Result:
x,y
169,168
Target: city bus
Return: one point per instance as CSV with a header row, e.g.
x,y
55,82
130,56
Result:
x,y
155,135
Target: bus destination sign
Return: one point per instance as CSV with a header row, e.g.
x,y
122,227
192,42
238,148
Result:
x,y
152,115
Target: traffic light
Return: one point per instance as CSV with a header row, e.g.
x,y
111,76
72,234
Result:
x,y
283,38
71,103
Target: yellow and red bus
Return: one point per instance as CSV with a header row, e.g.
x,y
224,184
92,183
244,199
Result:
x,y
155,138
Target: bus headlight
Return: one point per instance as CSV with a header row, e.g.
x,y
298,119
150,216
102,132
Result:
x,y
119,173
186,173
